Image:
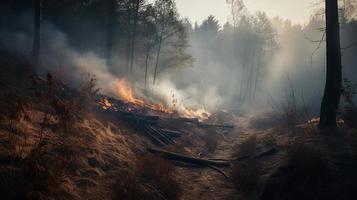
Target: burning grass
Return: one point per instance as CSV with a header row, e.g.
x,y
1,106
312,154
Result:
x,y
125,92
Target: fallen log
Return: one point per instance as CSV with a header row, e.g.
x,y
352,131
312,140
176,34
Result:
x,y
268,152
215,126
172,133
187,159
155,139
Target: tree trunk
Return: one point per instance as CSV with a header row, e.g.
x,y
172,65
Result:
x,y
132,50
147,65
35,52
332,93
157,60
110,29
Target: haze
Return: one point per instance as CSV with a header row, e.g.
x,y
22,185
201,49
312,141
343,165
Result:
x,y
298,11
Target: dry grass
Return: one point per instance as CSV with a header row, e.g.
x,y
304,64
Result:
x,y
158,173
37,159
246,176
211,140
291,110
246,148
309,163
269,140
128,187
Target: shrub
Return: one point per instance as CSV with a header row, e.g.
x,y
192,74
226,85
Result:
x,y
247,147
290,111
308,163
211,141
158,172
245,176
269,140
128,187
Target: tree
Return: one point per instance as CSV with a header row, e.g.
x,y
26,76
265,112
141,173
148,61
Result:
x,y
150,35
35,53
134,32
110,31
333,86
169,29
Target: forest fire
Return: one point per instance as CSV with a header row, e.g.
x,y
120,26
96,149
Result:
x,y
125,93
190,113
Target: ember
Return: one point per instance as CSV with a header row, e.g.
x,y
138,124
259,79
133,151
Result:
x,y
106,104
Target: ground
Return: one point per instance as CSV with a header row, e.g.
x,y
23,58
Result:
x,y
53,148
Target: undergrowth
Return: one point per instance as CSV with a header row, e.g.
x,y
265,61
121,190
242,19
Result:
x,y
158,174
35,163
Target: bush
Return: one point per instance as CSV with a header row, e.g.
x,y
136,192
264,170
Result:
x,y
290,111
269,140
128,187
308,163
245,176
211,141
158,172
247,147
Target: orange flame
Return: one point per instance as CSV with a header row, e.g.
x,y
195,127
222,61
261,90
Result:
x,y
105,103
191,113
125,93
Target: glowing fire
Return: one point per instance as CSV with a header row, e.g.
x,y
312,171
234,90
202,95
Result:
x,y
191,113
105,103
125,93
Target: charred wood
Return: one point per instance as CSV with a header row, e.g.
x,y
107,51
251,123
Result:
x,y
187,159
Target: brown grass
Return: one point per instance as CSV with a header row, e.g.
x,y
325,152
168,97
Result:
x,y
211,141
269,140
309,163
158,172
246,148
246,176
128,187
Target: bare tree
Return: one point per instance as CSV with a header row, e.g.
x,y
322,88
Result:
x,y
332,93
35,53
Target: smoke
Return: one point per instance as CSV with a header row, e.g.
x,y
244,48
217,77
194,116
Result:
x,y
220,74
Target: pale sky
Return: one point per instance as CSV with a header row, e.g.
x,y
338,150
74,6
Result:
x,y
298,11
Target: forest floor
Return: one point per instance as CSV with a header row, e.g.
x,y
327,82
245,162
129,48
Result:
x,y
58,149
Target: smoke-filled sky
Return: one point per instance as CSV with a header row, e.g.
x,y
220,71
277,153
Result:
x,y
298,11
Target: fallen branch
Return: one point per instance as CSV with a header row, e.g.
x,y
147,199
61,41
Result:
x,y
187,159
218,170
216,126
268,152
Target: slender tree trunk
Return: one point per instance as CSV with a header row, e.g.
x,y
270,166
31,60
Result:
x,y
35,52
157,59
132,50
128,43
147,65
257,72
332,93
110,34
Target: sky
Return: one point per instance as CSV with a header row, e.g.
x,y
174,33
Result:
x,y
298,11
